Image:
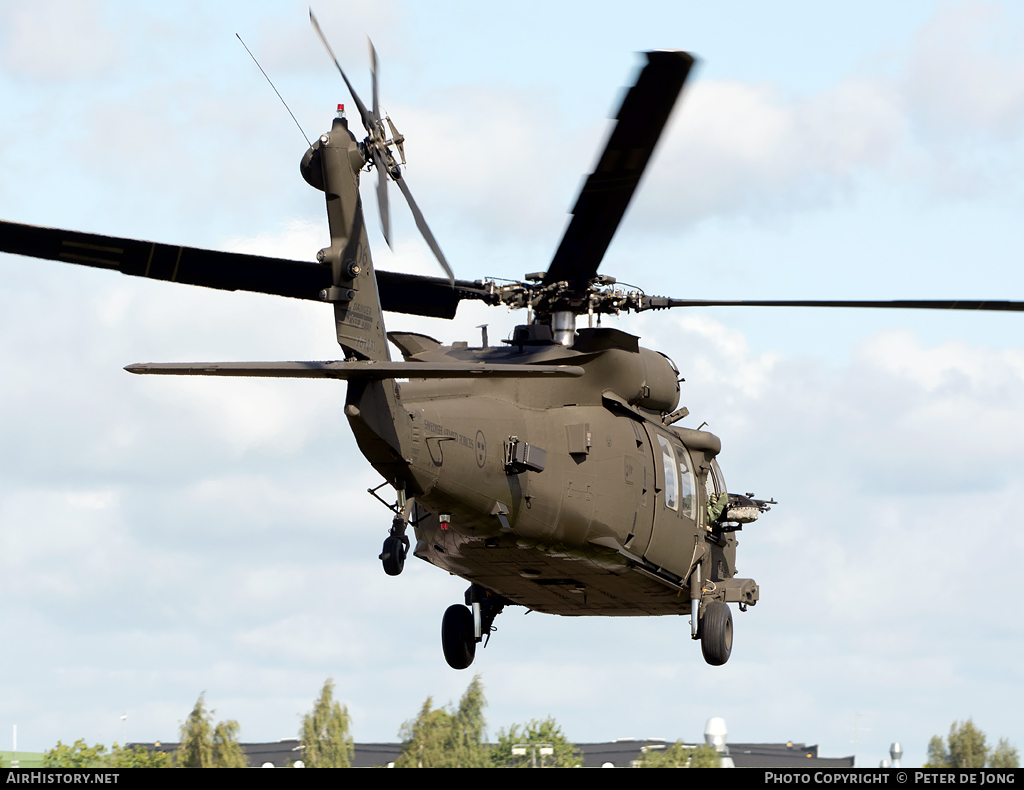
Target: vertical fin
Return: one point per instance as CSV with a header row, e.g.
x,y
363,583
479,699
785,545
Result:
x,y
357,312
371,406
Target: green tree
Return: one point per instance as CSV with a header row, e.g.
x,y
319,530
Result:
x,y
204,745
705,757
533,735
965,747
325,733
938,754
227,752
679,755
78,755
424,738
446,738
1004,756
137,756
196,736
467,739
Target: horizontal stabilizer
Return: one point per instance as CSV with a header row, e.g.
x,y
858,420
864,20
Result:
x,y
357,370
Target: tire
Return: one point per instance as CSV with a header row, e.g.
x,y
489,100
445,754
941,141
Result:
x,y
392,556
457,636
716,633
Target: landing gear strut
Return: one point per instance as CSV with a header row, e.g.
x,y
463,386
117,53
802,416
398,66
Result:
x,y
462,627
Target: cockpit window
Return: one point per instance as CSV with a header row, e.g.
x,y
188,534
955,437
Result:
x,y
719,481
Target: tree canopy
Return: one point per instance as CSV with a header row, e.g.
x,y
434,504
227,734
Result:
x,y
533,735
445,737
227,752
81,755
679,755
78,755
137,756
325,736
965,747
204,745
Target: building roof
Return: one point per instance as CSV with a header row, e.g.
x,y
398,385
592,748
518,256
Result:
x,y
620,754
783,755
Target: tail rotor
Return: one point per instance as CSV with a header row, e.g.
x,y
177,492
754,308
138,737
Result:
x,y
378,152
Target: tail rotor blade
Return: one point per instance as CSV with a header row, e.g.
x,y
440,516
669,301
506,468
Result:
x,y
382,194
373,75
421,223
380,156
363,113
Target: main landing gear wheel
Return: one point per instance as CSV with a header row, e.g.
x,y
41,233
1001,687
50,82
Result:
x,y
716,633
392,556
457,637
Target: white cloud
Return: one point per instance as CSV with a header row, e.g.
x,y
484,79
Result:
x,y
950,116
299,240
57,39
738,148
498,155
965,73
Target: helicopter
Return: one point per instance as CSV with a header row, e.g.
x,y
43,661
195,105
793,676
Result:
x,y
549,472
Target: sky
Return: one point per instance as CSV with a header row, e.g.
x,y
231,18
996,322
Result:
x,y
162,538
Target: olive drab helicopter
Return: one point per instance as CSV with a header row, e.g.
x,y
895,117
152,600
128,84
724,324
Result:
x,y
549,471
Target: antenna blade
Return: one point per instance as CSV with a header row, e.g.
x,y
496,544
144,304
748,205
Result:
x,y
363,113
308,143
373,75
421,223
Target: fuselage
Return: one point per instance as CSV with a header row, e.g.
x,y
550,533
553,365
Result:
x,y
618,489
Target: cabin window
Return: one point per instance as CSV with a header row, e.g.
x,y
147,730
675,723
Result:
x,y
671,475
687,491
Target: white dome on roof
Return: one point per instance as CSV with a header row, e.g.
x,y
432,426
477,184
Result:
x,y
715,733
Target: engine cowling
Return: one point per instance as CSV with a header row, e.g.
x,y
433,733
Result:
x,y
661,382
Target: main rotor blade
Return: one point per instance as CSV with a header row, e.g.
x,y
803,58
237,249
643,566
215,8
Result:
x,y
421,223
227,271
608,190
661,303
358,370
363,114
413,294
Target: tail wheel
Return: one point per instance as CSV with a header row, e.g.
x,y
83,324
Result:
x,y
716,633
457,636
